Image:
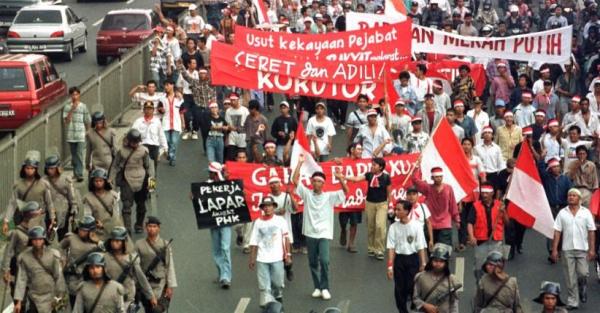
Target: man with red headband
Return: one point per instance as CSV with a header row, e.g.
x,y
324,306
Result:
x,y
441,202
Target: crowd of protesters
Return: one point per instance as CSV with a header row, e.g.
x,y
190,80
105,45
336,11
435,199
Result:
x,y
552,108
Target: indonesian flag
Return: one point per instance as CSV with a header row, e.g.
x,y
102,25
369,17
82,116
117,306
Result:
x,y
528,203
261,11
595,202
395,8
443,150
301,146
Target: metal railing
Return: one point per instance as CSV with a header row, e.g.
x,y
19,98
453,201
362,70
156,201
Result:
x,y
106,91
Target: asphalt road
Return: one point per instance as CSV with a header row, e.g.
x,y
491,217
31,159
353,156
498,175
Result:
x,y
84,64
354,277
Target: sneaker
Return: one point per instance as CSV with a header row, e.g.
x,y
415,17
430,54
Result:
x,y
225,284
194,135
379,256
316,293
185,136
326,295
342,127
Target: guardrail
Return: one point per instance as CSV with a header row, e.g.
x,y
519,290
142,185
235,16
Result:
x,y
106,91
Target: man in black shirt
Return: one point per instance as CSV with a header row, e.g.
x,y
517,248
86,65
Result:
x,y
191,52
282,126
378,197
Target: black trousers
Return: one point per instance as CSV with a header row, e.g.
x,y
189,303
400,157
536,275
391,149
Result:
x,y
299,239
462,231
405,270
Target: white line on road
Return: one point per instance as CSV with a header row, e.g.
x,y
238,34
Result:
x,y
459,272
130,1
242,305
98,22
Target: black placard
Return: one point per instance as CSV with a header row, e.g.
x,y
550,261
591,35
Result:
x,y
219,204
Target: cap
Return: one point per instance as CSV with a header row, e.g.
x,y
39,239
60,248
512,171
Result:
x,y
488,129
487,188
440,253
99,173
514,8
321,104
268,201
371,112
400,102
553,123
500,103
213,105
36,232
118,233
148,105
29,207
552,163
284,104
319,16
234,96
437,171
527,131
459,103
87,222
416,119
152,220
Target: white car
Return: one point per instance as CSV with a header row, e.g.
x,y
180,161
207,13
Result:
x,y
47,29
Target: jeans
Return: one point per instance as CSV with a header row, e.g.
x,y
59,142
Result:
x,y
77,157
214,149
221,239
318,254
173,142
270,281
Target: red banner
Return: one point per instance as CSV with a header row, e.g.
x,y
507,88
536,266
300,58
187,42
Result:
x,y
293,65
256,177
386,43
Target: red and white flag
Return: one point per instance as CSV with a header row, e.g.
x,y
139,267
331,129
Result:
x,y
443,150
301,146
261,11
395,8
528,203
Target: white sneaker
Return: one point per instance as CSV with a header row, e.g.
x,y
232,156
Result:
x,y
185,136
326,295
342,127
317,293
194,135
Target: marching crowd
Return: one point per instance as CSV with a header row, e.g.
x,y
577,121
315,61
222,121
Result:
x,y
553,109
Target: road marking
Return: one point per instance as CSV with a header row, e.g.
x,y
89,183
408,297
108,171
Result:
x,y
242,305
459,272
129,1
98,22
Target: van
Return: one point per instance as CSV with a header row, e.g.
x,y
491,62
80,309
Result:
x,y
29,84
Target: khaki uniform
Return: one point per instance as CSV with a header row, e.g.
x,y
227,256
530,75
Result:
x,y
17,243
163,275
131,170
115,266
109,219
40,193
506,301
74,247
425,282
98,152
43,280
111,300
63,198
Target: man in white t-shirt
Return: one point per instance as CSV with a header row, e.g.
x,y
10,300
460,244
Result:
x,y
193,24
170,105
286,205
317,224
421,214
270,248
236,117
143,93
320,130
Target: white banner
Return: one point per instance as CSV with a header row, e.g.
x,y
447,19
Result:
x,y
551,46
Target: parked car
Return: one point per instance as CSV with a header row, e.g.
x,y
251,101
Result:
x,y
47,29
9,9
122,30
29,84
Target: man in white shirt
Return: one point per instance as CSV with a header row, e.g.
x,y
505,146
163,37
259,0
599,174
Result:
x,y
317,224
236,117
441,99
480,117
420,83
173,53
491,155
574,115
320,130
420,213
172,121
143,93
525,111
375,139
188,99
538,86
153,136
286,205
270,248
193,23
575,224
357,118
570,145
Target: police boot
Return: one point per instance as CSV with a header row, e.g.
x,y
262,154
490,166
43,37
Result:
x,y
582,283
127,221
